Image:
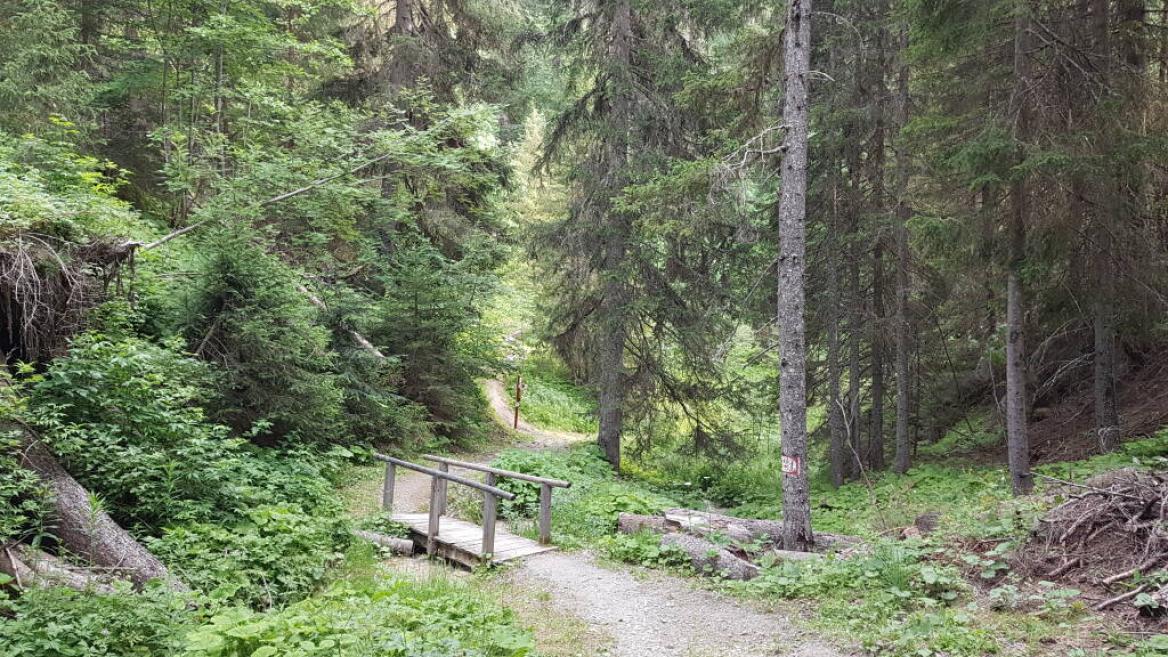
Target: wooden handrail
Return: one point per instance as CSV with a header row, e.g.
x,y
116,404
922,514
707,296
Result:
x,y
545,488
438,474
558,483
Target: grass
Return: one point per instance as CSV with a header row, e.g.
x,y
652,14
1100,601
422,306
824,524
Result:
x,y
552,400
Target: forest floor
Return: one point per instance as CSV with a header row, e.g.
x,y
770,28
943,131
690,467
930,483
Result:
x,y
576,606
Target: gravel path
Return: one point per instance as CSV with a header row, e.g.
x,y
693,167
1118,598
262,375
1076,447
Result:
x,y
662,616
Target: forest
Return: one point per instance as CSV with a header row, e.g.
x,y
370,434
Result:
x,y
840,327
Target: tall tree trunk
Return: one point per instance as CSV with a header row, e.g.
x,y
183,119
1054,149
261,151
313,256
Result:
x,y
875,450
1107,428
874,454
614,307
855,330
792,216
903,345
1017,442
835,411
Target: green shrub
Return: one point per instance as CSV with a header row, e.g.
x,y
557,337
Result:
x,y
61,622
643,549
394,619
22,502
244,311
895,601
278,554
123,415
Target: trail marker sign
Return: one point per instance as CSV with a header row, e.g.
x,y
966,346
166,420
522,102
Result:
x,y
791,466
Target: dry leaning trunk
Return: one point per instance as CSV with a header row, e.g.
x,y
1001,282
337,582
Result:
x,y
90,532
33,568
709,559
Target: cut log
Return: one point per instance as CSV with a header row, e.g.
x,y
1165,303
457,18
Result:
x,y
747,530
395,545
89,532
710,559
632,523
792,555
34,568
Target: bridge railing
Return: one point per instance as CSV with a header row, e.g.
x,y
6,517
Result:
x,y
492,476
439,480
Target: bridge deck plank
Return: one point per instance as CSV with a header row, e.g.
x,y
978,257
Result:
x,y
462,541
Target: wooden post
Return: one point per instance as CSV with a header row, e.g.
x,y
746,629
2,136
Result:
x,y
545,514
490,512
387,488
435,516
518,398
445,488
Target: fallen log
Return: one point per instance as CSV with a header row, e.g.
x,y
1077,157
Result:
x,y
632,523
395,545
747,530
89,532
34,568
710,559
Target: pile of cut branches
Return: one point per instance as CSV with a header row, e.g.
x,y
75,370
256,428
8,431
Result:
x,y
1112,529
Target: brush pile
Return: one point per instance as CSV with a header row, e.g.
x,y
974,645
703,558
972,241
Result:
x,y
1113,528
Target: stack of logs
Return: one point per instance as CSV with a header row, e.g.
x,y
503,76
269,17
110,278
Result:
x,y
740,540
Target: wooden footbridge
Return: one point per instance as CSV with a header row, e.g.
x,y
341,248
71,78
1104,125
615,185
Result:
x,y
461,541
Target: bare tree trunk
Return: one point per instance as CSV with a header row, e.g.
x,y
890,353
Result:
x,y
614,307
792,216
1017,442
88,531
875,449
874,454
1101,250
835,410
903,447
855,330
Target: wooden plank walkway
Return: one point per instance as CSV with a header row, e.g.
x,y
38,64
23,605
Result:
x,y
461,541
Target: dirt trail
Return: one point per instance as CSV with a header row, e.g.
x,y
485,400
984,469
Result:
x,y
647,615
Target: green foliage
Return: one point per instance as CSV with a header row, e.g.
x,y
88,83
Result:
x,y
22,502
643,549
589,509
393,619
41,74
61,622
53,190
246,312
893,599
275,555
122,413
552,400
429,318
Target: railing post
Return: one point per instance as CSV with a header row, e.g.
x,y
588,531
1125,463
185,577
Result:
x,y
490,513
442,495
545,514
435,516
387,488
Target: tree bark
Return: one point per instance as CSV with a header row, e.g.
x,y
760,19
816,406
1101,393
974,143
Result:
x,y
709,559
875,449
903,345
792,215
87,531
614,307
835,409
34,568
396,545
1017,442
